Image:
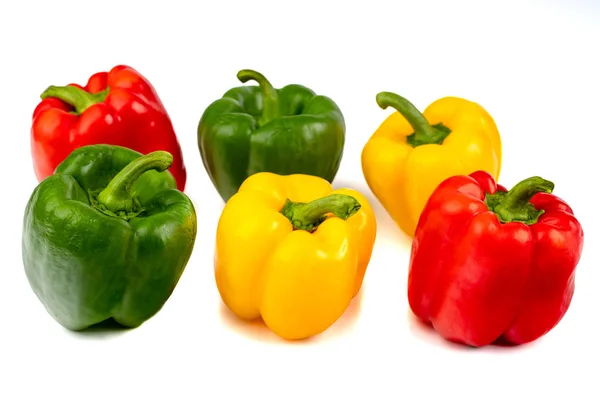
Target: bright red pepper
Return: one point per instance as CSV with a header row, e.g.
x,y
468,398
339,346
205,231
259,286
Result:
x,y
119,107
490,265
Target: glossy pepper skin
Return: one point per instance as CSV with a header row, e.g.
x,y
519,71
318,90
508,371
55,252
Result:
x,y
293,251
412,153
255,129
119,107
491,265
107,236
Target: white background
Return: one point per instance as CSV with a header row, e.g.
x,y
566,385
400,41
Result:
x,y
532,64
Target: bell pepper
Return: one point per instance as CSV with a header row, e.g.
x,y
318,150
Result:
x,y
119,107
107,237
412,152
492,265
262,129
292,251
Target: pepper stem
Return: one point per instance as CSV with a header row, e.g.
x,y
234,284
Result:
x,y
308,216
78,98
424,133
516,206
117,197
270,97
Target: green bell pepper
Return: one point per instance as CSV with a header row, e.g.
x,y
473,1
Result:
x,y
262,129
107,236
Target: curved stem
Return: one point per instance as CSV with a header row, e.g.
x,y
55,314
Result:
x,y
78,98
516,206
117,197
424,133
270,96
308,216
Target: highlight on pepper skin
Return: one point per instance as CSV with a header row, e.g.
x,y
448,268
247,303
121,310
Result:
x,y
293,252
413,152
489,264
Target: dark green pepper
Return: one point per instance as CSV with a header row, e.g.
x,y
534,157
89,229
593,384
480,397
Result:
x,y
107,236
261,129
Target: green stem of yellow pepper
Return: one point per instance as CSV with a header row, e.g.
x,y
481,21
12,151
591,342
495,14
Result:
x,y
424,132
308,216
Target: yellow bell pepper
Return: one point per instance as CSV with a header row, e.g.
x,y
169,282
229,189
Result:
x,y
412,153
292,251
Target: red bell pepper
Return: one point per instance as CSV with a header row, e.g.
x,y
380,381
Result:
x,y
490,265
119,107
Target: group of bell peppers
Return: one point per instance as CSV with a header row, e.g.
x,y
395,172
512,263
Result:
x,y
108,231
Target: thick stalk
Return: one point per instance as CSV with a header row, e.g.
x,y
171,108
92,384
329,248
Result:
x,y
424,133
270,96
78,98
308,216
117,196
515,205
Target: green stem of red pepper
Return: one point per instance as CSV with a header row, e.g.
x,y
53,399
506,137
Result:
x,y
514,205
117,196
308,216
77,98
270,96
424,132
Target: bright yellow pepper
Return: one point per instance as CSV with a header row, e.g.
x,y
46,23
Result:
x,y
293,251
412,153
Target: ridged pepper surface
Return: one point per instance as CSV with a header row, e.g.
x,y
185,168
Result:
x,y
293,251
119,107
255,129
412,152
494,265
107,236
